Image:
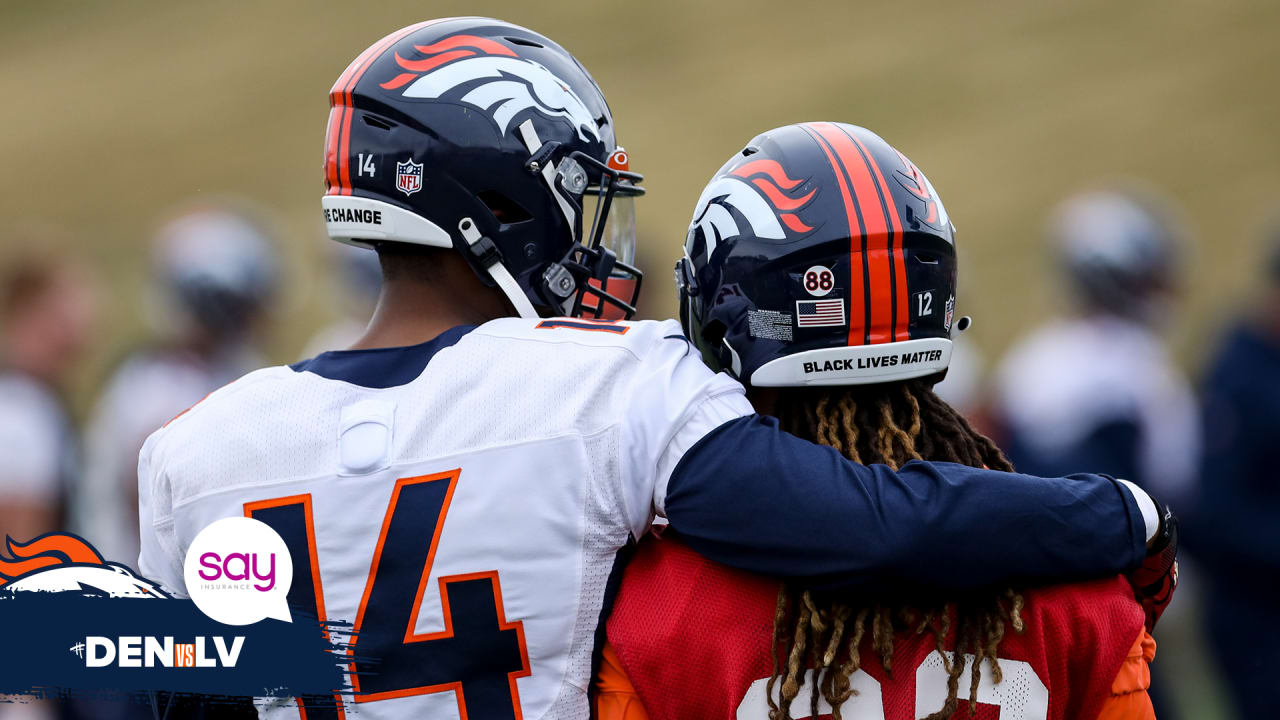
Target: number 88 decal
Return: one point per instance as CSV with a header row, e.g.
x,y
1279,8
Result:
x,y
819,280
1021,695
479,654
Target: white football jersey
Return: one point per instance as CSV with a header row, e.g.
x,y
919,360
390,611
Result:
x,y
1071,376
149,388
485,494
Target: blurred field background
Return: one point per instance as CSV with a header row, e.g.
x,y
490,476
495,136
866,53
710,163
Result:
x,y
114,112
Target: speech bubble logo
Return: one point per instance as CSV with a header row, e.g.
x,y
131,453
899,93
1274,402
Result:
x,y
238,571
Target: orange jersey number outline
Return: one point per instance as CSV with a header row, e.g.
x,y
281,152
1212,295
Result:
x,y
388,659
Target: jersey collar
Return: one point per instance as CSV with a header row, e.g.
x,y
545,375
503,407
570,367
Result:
x,y
380,368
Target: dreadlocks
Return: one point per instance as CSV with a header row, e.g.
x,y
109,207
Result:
x,y
889,423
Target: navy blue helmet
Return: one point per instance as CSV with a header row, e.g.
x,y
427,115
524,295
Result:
x,y
488,138
1121,249
219,264
820,255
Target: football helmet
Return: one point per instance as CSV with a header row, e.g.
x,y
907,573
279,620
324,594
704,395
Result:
x,y
1120,249
488,138
219,265
820,255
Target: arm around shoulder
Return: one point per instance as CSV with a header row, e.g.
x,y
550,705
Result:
x,y
754,497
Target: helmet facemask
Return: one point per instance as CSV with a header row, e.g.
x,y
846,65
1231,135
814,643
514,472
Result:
x,y
596,278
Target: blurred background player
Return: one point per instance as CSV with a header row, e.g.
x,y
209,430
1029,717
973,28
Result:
x,y
215,269
1098,390
1237,539
47,315
700,641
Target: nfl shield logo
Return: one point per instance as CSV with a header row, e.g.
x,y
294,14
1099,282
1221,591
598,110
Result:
x,y
408,177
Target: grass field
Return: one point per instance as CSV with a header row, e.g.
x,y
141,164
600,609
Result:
x,y
113,112
116,111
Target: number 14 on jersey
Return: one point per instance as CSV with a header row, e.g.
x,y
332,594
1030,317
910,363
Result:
x,y
479,655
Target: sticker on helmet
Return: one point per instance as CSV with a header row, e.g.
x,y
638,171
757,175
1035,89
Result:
x,y
819,313
769,325
819,280
408,177
924,303
949,313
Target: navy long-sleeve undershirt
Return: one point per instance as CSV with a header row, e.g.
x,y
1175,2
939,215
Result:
x,y
754,497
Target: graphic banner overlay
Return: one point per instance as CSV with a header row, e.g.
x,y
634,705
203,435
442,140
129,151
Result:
x,y
76,624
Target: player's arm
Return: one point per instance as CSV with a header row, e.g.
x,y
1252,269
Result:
x,y
755,497
743,492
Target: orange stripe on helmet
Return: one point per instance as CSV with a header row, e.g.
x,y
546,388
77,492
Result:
x,y
338,138
431,63
780,201
331,159
454,41
769,167
876,228
897,258
857,289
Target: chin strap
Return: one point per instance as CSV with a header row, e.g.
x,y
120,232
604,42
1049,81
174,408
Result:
x,y
483,249
546,169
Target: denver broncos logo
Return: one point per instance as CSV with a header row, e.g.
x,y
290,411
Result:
x,y
490,76
914,181
761,193
62,562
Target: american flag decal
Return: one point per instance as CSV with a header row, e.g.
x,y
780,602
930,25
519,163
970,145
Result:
x,y
819,313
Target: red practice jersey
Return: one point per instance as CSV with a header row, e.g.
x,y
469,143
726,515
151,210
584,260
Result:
x,y
693,638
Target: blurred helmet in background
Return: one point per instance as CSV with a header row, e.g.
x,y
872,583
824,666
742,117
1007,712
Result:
x,y
488,138
820,255
1121,250
218,266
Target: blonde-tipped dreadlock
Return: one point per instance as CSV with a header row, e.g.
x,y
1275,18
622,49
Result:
x,y
891,424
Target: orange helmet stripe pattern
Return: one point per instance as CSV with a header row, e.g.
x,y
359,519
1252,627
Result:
x,y
337,142
857,289
878,310
897,259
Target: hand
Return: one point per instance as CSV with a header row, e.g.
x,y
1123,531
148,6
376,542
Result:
x,y
1157,577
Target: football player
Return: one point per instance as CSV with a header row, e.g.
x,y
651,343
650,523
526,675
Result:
x,y
1118,403
458,484
1097,389
820,269
214,269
